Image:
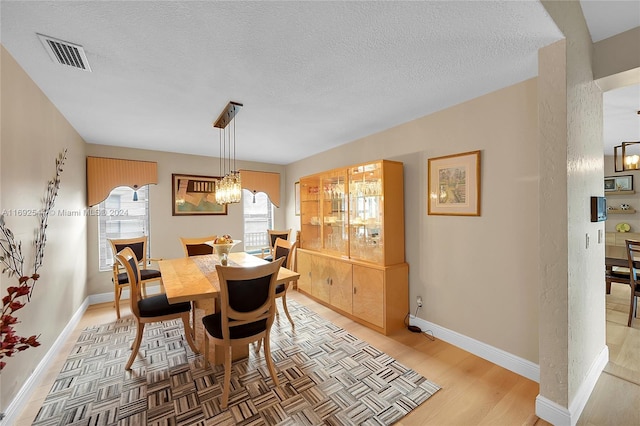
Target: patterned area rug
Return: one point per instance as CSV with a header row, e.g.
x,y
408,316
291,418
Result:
x,y
327,376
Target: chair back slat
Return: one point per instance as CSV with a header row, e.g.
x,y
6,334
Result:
x,y
285,249
129,262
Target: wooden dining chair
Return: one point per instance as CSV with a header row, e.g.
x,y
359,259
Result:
x,y
120,281
272,236
247,310
197,246
287,251
633,255
153,308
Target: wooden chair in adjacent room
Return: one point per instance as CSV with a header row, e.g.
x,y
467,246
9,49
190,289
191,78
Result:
x,y
272,236
120,281
197,246
287,251
247,310
633,254
150,309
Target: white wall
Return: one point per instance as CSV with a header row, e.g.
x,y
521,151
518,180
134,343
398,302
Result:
x,y
478,276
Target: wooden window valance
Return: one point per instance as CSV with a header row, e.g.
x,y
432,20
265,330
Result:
x,y
267,182
105,174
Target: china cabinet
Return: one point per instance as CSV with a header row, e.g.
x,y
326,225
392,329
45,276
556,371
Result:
x,y
351,255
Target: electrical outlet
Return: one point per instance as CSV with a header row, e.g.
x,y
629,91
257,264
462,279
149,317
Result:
x,y
419,301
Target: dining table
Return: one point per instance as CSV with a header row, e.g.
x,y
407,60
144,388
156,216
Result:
x,y
195,279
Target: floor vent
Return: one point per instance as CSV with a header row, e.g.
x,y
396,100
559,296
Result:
x,y
65,53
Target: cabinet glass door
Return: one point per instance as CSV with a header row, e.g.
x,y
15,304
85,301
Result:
x,y
366,213
334,210
310,215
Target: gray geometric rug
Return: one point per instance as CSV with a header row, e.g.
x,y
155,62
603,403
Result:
x,y
327,377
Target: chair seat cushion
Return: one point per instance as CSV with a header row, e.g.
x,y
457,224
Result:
x,y
158,305
280,288
145,275
268,258
213,324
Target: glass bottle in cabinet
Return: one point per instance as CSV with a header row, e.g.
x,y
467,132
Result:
x,y
310,214
366,213
334,212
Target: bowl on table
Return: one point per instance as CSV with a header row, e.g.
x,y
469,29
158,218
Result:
x,y
223,249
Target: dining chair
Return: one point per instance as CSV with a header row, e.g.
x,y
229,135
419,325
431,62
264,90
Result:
x,y
247,310
633,255
197,246
153,308
287,251
272,236
120,281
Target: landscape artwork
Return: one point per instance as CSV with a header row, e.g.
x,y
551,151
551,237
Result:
x,y
195,195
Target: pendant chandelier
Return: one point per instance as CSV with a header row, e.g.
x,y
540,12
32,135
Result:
x,y
228,187
626,156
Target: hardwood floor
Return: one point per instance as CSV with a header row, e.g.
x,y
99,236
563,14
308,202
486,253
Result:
x,y
615,400
474,391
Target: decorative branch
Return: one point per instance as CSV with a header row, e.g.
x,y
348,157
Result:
x,y
12,262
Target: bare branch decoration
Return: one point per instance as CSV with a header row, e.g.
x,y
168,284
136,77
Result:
x,y
12,262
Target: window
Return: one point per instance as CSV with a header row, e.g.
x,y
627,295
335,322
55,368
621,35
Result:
x,y
258,217
121,217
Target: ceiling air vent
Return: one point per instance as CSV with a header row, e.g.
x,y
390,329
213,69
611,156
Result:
x,y
65,53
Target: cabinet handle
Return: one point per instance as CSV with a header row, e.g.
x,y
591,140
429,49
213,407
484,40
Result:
x,y
355,290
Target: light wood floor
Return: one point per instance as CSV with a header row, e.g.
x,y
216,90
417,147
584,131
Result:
x,y
474,391
615,400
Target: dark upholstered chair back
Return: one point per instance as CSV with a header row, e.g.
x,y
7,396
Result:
x,y
197,246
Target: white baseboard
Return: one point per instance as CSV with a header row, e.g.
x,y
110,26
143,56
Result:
x,y
24,394
560,416
497,356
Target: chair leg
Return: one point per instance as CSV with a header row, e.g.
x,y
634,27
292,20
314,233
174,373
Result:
x,y
258,345
188,333
267,356
227,378
206,350
286,310
631,308
118,294
136,345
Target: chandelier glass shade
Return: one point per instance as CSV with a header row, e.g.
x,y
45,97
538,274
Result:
x,y
229,186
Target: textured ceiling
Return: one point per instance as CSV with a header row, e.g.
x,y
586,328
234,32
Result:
x,y
311,75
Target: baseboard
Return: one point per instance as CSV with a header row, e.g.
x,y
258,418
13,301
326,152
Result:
x,y
24,394
560,416
497,356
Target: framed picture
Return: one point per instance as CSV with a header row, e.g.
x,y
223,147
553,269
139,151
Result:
x,y
296,194
618,183
454,185
194,195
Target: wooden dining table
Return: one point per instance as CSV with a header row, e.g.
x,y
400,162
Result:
x,y
194,279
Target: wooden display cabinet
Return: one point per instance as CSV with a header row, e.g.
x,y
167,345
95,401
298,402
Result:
x,y
351,255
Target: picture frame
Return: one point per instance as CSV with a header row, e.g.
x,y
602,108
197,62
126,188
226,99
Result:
x,y
194,195
296,194
618,183
454,185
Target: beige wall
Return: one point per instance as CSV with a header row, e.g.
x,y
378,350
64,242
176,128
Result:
x,y
165,229
478,276
33,134
617,55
